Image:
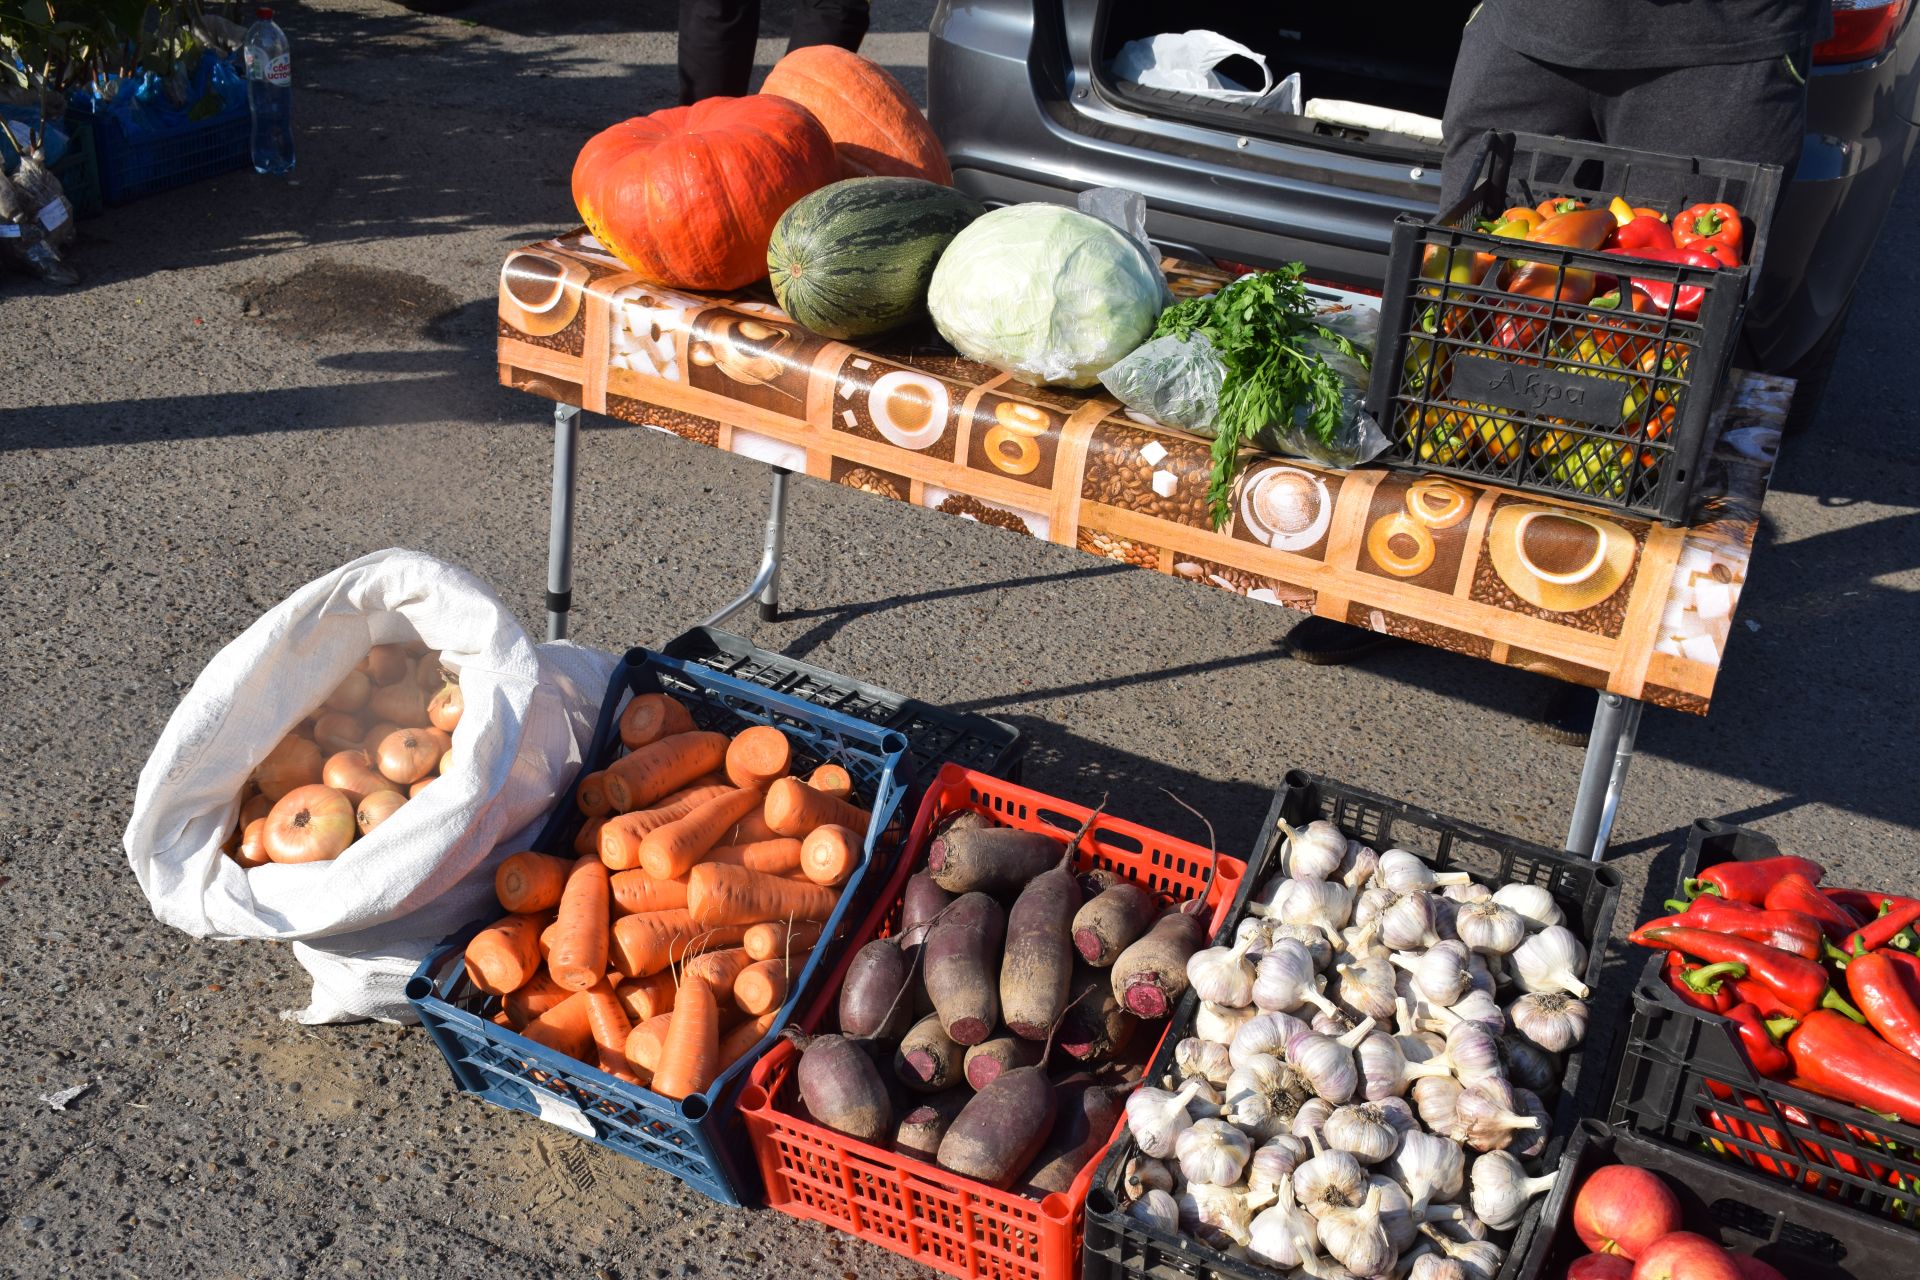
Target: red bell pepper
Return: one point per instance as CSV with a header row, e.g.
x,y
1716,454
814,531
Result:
x,y
1707,988
1839,1059
1749,881
1712,229
1871,937
1643,232
1661,297
1558,205
1758,1036
1797,893
1800,984
1788,931
1747,991
1889,997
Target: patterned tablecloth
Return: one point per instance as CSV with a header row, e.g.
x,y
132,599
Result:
x,y
1582,595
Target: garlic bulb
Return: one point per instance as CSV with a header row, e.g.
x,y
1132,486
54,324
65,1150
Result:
x,y
1272,894
1405,872
1213,1152
1314,940
1310,1119
1396,1212
1529,1143
1501,1189
1257,933
1526,1065
1442,972
1337,1024
1430,1167
1461,1225
1472,1052
1532,903
1328,1064
1437,1099
1204,1058
1551,1019
1480,1259
1386,1072
1358,868
1263,1095
1156,1118
1218,1023
1551,960
1144,1174
1284,979
1480,974
1216,1216
1273,1163
1366,987
1156,1209
1370,1130
1408,923
1284,1235
1434,1265
1356,1238
1315,851
1265,1033
1322,904
1330,1180
1468,892
1489,927
1207,1101
1373,900
1484,1115
1223,975
1475,1006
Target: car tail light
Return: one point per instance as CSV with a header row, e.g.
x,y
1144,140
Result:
x,y
1861,29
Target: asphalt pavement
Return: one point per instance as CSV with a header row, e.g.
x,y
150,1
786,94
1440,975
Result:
x,y
260,380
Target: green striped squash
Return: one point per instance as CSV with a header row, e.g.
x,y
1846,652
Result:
x,y
854,257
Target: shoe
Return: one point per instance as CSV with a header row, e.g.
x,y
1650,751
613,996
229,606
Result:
x,y
1323,642
1567,717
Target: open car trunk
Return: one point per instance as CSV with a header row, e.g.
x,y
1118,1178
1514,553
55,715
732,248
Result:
x,y
1397,57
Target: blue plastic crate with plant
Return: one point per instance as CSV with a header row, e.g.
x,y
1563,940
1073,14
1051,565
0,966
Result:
x,y
148,138
697,1138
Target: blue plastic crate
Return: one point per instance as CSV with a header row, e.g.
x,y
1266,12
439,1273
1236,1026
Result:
x,y
174,152
698,1138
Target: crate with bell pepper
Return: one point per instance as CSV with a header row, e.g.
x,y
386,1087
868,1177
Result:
x,y
1779,1024
1558,335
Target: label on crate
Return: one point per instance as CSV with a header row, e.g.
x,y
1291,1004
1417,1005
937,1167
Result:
x,y
558,1111
1541,393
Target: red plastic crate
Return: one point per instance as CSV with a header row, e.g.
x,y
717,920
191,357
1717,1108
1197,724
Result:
x,y
940,1219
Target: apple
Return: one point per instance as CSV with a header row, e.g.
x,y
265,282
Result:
x,y
1623,1209
1600,1266
1682,1255
1754,1269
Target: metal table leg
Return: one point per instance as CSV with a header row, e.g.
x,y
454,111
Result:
x,y
765,586
566,443
1616,724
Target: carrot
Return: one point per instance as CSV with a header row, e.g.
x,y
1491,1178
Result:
x,y
774,939
588,841
829,854
718,894
794,808
717,969
636,781
758,755
650,717
751,829
643,1043
591,795
621,836
648,942
833,780
564,1028
530,881
742,1038
777,856
540,994
691,1050
635,891
607,1020
667,851
505,955
761,987
578,957
503,1019
642,998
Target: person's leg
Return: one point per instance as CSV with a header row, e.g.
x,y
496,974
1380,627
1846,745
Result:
x,y
716,47
1751,111
839,22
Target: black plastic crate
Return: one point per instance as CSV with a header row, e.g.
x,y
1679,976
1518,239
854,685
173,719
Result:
x,y
935,735
1711,842
1803,1238
1548,394
1587,892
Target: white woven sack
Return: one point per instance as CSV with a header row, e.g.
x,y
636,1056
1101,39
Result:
x,y
364,920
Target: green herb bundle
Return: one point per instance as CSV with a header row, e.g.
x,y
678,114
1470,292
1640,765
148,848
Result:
x,y
1260,326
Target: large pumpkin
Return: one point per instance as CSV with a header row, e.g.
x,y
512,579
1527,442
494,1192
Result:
x,y
688,196
874,124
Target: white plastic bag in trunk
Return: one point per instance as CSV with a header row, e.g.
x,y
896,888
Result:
x,y
364,920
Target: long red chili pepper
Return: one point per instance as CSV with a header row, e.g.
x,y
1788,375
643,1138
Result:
x,y
1799,983
1749,881
1758,1036
1797,893
1843,1060
1761,997
1865,903
1871,937
1795,934
1881,988
1704,988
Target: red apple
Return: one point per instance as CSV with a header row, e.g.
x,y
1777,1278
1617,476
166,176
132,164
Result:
x,y
1754,1269
1682,1255
1600,1266
1623,1209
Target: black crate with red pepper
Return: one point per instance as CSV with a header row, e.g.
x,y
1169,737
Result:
x,y
1588,374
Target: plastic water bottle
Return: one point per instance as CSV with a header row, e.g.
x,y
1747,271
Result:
x,y
270,94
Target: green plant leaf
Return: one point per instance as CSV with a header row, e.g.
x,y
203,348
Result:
x,y
205,109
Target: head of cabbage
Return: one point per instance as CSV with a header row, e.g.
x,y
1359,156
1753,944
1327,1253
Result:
x,y
1049,294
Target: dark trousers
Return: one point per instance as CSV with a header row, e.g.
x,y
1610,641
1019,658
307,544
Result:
x,y
1750,111
717,36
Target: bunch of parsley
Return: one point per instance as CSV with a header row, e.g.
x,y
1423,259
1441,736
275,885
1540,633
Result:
x,y
1259,326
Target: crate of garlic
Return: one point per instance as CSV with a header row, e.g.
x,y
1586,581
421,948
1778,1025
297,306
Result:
x,y
1365,1078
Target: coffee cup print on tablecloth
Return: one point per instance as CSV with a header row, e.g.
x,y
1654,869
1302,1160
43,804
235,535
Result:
x,y
1155,472
1570,566
540,300
906,408
1014,438
1286,507
644,327
753,359
1416,531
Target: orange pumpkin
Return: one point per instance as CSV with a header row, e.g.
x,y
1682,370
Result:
x,y
875,126
688,196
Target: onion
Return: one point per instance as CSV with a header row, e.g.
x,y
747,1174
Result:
x,y
309,824
386,663
339,731
293,762
403,703
408,755
376,809
444,711
353,774
352,693
252,852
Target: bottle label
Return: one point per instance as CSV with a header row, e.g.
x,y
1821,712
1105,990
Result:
x,y
280,71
